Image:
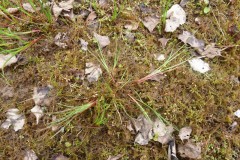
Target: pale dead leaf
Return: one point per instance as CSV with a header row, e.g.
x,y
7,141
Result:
x,y
61,39
237,113
161,132
63,6
38,112
28,7
30,155
7,92
190,150
176,16
151,22
102,40
187,37
56,10
132,26
41,95
143,128
7,60
160,57
183,3
91,17
15,119
115,157
199,65
66,5
93,72
12,10
84,44
211,51
61,157
185,133
163,41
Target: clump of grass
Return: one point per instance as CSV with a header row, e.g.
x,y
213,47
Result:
x,y
70,113
167,66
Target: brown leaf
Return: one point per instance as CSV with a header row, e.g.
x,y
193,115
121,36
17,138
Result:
x,y
91,17
151,22
132,26
28,7
185,132
187,37
211,51
163,41
190,150
115,157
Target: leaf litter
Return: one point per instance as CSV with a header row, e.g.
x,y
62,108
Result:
x,y
199,65
30,155
28,7
103,41
7,60
151,22
14,118
184,133
93,72
41,98
190,150
61,40
147,130
176,16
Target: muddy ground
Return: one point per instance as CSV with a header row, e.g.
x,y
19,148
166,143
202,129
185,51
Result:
x,y
184,97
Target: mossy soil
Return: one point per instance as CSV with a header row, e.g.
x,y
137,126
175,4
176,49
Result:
x,y
205,102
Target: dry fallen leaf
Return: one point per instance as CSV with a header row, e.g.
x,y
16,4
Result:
x,y
93,72
190,150
7,92
211,51
15,119
61,40
41,95
151,22
115,157
102,40
30,155
237,113
84,44
28,7
143,128
131,27
7,60
183,3
163,41
91,17
160,57
199,65
161,132
63,6
187,37
12,10
56,10
38,112
185,132
176,16
61,157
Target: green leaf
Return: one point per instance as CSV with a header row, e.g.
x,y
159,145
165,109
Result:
x,y
206,10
